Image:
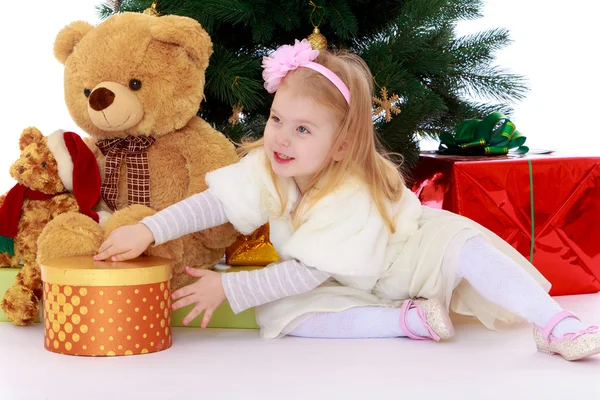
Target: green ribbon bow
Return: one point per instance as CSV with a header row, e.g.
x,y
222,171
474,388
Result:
x,y
494,135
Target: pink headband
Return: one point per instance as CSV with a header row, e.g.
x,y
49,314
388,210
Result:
x,y
287,58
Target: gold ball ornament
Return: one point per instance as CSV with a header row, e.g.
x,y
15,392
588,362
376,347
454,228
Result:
x,y
152,10
317,40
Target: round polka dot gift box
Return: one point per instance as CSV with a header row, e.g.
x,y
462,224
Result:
x,y
94,308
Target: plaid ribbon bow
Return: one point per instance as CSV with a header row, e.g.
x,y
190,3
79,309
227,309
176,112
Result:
x,y
134,150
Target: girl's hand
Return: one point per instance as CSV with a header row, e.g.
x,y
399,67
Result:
x,y
125,243
206,293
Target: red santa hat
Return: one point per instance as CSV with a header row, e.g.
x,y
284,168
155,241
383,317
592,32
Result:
x,y
77,169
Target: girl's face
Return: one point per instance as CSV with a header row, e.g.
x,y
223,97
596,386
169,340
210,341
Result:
x,y
298,135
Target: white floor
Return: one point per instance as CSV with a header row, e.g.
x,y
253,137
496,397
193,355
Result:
x,y
230,364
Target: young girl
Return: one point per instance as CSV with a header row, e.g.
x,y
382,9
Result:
x,y
361,256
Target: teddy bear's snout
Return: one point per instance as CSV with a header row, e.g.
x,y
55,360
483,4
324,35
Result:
x,y
21,169
115,107
101,99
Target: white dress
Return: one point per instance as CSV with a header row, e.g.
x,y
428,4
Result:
x,y
344,235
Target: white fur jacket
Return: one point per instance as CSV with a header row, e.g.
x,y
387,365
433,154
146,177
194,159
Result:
x,y
342,234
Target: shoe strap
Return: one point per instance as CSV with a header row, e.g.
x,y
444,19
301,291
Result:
x,y
406,307
547,331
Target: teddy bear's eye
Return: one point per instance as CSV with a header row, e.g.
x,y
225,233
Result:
x,y
28,155
135,84
87,92
44,164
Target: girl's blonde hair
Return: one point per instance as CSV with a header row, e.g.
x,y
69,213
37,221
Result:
x,y
356,135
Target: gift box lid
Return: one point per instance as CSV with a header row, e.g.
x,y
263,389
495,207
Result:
x,y
85,271
510,157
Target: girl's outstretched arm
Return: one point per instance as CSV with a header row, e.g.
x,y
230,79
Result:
x,y
244,289
196,213
248,289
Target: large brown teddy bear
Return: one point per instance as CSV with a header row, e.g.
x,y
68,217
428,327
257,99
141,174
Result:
x,y
134,83
55,175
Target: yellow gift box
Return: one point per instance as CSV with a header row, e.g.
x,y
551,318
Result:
x,y
252,250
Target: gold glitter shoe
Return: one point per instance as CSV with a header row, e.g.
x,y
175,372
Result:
x,y
572,346
434,317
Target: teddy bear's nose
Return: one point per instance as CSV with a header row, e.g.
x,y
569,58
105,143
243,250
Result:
x,y
20,170
101,99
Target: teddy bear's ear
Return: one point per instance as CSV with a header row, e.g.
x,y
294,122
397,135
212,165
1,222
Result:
x,y
185,32
67,39
28,136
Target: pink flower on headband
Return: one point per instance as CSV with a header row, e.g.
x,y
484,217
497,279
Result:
x,y
285,59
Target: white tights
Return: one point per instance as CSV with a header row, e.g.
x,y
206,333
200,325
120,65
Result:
x,y
494,275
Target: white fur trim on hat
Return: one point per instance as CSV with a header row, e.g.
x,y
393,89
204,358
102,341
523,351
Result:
x,y
56,144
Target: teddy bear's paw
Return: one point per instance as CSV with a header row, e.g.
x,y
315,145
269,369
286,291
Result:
x,y
30,277
20,305
127,216
69,234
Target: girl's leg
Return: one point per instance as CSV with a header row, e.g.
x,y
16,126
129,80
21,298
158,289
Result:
x,y
360,322
494,275
503,282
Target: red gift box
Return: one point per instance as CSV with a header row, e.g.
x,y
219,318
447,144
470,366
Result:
x,y
496,193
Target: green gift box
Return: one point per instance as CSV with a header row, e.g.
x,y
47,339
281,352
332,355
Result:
x,y
223,317
7,277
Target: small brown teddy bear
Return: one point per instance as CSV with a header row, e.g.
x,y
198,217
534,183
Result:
x,y
55,175
134,83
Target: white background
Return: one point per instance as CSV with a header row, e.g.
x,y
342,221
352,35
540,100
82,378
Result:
x,y
555,47
236,364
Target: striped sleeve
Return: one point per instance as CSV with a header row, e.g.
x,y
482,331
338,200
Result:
x,y
196,213
248,289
